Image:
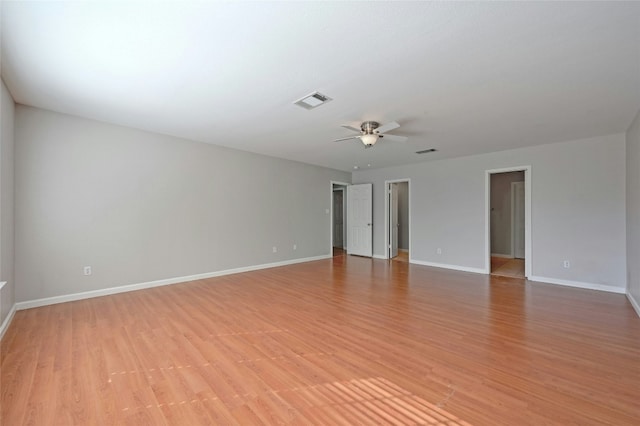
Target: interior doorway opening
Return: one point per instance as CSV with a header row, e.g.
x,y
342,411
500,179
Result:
x,y
508,223
397,220
338,218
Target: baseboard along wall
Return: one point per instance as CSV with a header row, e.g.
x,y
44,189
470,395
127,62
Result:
x,y
150,284
7,321
546,280
634,303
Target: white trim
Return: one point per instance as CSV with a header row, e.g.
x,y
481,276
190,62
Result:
x,y
506,256
2,283
578,284
528,261
447,266
387,184
379,256
141,286
404,250
344,246
634,303
7,321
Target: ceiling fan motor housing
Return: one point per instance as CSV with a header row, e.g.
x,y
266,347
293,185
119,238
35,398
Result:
x,y
369,134
368,127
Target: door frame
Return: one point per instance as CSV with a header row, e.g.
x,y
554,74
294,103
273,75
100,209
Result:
x,y
330,211
387,219
528,262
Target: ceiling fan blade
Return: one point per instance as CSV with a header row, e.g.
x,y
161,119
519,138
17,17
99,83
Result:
x,y
345,139
355,129
394,138
387,127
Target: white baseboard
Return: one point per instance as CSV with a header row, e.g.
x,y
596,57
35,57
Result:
x,y
404,250
7,321
447,266
589,286
578,284
141,286
506,256
634,303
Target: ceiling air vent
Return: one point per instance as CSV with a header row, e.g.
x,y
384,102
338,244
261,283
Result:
x,y
312,100
426,151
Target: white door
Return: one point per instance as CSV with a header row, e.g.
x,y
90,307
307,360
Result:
x,y
359,223
517,219
337,219
394,226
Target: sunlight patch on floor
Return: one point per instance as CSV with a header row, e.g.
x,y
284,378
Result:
x,y
378,401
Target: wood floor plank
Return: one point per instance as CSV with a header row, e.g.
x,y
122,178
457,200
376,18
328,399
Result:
x,y
342,341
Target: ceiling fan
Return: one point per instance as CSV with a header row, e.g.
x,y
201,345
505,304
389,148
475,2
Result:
x,y
371,131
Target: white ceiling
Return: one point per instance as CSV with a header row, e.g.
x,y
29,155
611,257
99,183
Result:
x,y
464,78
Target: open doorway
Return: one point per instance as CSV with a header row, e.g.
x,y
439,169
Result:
x,y
397,220
508,223
338,218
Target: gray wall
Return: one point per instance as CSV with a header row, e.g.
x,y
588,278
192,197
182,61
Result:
x,y
633,210
578,208
7,111
403,215
139,207
501,211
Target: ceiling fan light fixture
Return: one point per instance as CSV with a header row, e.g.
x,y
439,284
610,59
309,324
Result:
x,y
369,140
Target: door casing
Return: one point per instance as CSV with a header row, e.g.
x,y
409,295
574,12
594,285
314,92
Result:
x,y
528,258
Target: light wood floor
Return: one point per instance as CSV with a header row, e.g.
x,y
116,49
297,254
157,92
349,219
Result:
x,y
507,267
348,340
403,256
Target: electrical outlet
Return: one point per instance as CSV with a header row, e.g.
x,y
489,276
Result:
x,y
566,264
295,246
87,270
275,249
439,250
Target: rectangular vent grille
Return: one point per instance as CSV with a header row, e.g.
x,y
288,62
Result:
x,y
312,100
426,151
